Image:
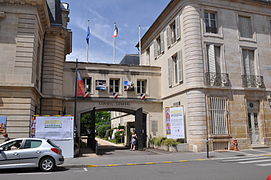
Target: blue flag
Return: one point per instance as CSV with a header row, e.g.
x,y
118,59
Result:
x,y
88,34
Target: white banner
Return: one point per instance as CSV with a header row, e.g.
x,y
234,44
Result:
x,y
54,127
175,123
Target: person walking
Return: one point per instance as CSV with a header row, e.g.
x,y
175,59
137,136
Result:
x,y
133,142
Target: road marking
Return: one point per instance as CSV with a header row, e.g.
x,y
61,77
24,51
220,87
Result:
x,y
132,164
167,162
183,160
151,163
85,169
267,164
257,161
200,159
244,159
45,173
113,165
93,165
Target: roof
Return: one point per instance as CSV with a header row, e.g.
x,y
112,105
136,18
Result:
x,y
55,12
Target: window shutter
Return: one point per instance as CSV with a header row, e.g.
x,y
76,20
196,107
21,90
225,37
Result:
x,y
170,72
168,36
155,48
162,42
246,62
178,28
217,59
245,27
251,62
211,58
180,66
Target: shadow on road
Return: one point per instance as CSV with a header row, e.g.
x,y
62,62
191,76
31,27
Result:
x,y
29,170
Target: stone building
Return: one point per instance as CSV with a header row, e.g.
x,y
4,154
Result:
x,y
209,57
34,41
215,62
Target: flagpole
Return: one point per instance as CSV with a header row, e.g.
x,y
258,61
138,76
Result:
x,y
88,44
114,50
75,103
139,41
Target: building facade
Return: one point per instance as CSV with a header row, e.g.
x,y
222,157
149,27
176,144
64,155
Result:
x,y
214,59
34,41
209,57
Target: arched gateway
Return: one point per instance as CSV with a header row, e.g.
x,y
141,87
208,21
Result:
x,y
142,101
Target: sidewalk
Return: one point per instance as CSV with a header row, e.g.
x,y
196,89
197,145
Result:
x,y
124,157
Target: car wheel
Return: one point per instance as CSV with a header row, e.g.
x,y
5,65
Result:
x,y
47,164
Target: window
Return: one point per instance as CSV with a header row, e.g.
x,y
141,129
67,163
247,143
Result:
x,y
248,62
159,45
175,69
173,31
13,145
245,27
218,115
32,144
210,22
114,85
141,86
213,58
88,84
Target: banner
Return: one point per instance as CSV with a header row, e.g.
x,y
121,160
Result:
x,y
101,85
3,124
175,123
128,86
53,127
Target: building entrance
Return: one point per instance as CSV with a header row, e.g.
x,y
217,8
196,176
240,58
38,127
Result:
x,y
253,112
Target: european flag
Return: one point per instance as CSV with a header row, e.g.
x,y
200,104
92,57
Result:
x,y
88,34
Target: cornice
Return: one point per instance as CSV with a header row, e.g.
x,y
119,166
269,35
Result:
x,y
41,9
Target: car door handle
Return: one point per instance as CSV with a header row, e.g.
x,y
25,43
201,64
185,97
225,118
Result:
x,y
38,152
15,154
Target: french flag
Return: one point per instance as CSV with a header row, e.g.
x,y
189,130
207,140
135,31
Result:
x,y
116,31
81,86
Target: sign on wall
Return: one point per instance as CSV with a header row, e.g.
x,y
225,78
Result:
x,y
53,127
101,85
128,86
175,123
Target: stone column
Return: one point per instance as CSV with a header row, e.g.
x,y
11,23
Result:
x,y
193,71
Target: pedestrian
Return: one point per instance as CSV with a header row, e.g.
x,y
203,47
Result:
x,y
6,137
133,142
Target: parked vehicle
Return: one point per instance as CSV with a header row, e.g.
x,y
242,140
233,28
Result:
x,y
30,152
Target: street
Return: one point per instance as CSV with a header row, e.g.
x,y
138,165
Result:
x,y
242,165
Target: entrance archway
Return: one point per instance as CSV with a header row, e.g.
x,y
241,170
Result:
x,y
140,125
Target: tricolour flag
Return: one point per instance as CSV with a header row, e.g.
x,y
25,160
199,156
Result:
x,y
81,85
116,31
88,35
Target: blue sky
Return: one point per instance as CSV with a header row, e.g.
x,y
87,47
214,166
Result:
x,y
128,14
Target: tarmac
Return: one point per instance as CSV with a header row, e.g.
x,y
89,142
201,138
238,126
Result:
x,y
119,155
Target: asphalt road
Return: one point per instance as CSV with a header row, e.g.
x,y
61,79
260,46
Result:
x,y
192,170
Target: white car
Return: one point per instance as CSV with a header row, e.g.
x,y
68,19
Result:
x,y
30,152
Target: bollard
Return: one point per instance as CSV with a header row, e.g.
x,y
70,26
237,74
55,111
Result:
x,y
235,145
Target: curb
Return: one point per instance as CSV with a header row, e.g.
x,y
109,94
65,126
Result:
x,y
130,164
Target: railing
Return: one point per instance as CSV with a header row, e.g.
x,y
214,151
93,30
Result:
x,y
253,81
217,79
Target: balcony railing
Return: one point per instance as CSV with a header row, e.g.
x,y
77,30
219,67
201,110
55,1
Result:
x,y
253,81
217,79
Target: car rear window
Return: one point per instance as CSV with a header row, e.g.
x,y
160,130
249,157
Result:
x,y
51,143
32,143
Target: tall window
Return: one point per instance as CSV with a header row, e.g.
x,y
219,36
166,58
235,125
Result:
x,y
159,45
114,85
245,27
214,58
141,86
88,84
173,31
175,69
248,62
210,22
218,115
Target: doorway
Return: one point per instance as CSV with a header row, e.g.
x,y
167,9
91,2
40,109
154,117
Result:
x,y
253,125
